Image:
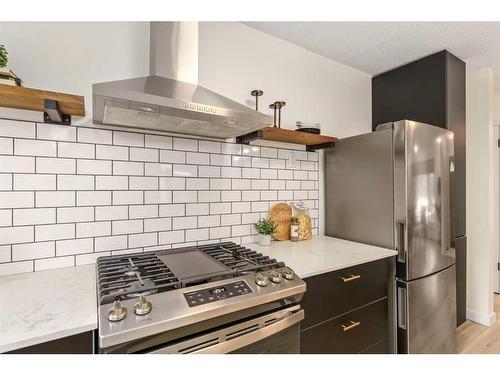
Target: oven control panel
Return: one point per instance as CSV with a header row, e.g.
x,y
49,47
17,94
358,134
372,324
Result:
x,y
202,296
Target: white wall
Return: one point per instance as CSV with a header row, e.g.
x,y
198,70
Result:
x,y
234,59
481,196
70,56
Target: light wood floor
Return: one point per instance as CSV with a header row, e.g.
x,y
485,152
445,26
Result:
x,y
474,338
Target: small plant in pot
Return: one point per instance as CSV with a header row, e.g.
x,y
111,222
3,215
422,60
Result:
x,y
3,56
265,228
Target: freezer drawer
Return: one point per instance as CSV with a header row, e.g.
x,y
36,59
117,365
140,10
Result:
x,y
426,315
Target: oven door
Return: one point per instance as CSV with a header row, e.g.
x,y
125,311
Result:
x,y
274,333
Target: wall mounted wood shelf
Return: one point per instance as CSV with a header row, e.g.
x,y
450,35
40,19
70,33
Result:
x,y
312,142
57,107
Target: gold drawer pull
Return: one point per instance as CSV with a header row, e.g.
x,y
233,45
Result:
x,y
350,278
349,325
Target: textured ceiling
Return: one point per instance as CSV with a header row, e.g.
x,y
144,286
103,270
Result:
x,y
375,47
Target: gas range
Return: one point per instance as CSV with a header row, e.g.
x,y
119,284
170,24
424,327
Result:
x,y
156,298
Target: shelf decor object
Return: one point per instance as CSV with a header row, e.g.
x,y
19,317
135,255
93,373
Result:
x,y
312,142
57,107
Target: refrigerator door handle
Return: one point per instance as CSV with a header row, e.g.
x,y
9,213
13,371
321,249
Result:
x,y
401,308
400,242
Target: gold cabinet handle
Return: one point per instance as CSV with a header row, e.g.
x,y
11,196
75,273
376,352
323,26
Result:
x,y
350,278
349,325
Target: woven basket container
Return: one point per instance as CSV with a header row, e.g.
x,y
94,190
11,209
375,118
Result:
x,y
281,215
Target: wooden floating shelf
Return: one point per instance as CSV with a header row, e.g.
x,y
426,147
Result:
x,y
311,141
35,100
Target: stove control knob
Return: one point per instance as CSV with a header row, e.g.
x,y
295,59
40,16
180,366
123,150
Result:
x,y
288,273
117,312
142,307
275,277
261,280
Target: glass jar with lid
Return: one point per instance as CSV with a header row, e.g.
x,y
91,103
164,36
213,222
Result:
x,y
301,212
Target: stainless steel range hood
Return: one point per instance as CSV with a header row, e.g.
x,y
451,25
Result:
x,y
165,104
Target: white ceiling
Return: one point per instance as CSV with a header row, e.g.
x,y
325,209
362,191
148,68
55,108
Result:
x,y
375,47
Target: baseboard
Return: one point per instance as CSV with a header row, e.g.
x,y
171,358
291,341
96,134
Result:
x,y
482,318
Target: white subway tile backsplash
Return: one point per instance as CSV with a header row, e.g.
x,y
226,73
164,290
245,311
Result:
x,y
197,234
171,210
74,214
128,139
111,183
93,167
75,150
128,168
99,136
56,132
184,222
144,154
93,229
180,196
75,182
172,157
127,226
209,146
121,192
32,216
34,182
184,170
110,243
175,236
197,158
158,169
111,152
144,211
128,197
222,160
34,250
54,198
158,141
93,198
32,147
157,225
52,263
111,213
17,164
5,182
185,144
16,267
54,232
16,199
54,165
143,239
158,196
143,183
73,247
21,129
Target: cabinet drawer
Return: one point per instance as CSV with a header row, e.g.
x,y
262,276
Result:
x,y
381,347
331,294
353,332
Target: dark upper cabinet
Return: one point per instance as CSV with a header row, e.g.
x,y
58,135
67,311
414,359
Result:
x,y
432,90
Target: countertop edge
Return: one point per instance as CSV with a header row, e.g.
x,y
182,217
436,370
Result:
x,y
349,264
47,337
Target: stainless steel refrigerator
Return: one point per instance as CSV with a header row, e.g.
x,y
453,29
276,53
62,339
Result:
x,y
392,188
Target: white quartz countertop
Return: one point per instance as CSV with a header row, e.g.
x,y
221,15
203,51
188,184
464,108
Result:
x,y
46,305
322,254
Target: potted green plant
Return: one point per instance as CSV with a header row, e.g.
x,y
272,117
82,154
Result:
x,y
265,228
3,56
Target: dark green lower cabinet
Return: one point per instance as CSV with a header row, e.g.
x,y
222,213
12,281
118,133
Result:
x,y
350,333
82,343
348,311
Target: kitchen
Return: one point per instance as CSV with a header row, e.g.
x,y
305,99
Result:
x,y
115,191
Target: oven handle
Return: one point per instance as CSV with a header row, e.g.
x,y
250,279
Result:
x,y
245,334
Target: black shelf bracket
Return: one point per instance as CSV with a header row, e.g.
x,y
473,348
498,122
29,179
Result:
x,y
53,115
320,146
247,138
